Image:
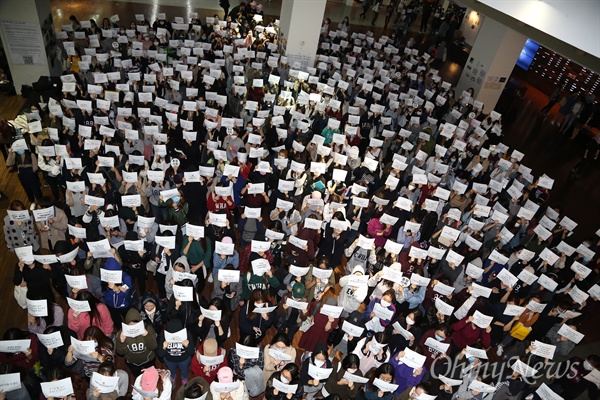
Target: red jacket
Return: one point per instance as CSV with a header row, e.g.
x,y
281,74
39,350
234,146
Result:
x,y
198,367
464,335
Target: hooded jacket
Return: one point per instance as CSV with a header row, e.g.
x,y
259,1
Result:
x,y
157,320
175,352
117,300
137,350
351,297
186,268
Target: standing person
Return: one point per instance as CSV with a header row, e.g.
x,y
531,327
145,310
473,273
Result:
x,y
19,233
365,6
97,316
27,166
138,351
175,353
153,383
552,100
53,229
389,10
376,11
225,6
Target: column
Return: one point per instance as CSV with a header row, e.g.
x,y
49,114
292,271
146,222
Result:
x,y
491,61
28,37
300,24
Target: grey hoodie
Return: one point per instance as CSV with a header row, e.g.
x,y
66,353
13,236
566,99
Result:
x,y
168,286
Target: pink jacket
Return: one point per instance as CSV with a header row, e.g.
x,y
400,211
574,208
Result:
x,y
374,227
82,322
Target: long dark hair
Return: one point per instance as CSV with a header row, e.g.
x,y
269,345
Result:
x,y
385,368
93,302
94,333
49,319
255,296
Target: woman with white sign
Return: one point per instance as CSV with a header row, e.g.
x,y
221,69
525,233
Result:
x,y
252,322
43,314
209,357
26,357
117,295
109,370
343,381
380,391
227,386
229,292
372,351
139,350
93,283
187,311
176,348
215,323
104,351
54,344
152,383
177,208
52,168
54,228
380,312
37,278
97,315
284,384
180,266
323,325
313,380
19,228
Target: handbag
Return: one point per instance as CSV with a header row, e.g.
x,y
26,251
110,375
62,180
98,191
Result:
x,y
307,323
519,331
20,293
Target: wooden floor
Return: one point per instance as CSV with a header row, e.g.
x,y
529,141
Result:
x,y
11,314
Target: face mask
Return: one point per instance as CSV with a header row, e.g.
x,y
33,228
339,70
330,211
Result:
x,y
353,370
471,359
233,137
411,187
409,321
587,366
21,152
283,379
249,129
384,303
503,241
176,199
319,363
439,338
156,43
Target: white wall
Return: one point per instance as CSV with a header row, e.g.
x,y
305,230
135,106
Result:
x,y
301,22
573,21
471,19
491,62
22,11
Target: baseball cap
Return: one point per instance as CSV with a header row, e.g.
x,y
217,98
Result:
x,y
225,375
149,379
298,290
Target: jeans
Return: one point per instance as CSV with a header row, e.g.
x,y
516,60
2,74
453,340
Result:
x,y
184,367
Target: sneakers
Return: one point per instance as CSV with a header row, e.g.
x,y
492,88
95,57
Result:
x,y
500,350
210,278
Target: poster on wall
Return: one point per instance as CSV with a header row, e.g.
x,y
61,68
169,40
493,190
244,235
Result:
x,y
24,43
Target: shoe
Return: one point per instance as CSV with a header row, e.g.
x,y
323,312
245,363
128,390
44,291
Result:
x,y
210,278
499,351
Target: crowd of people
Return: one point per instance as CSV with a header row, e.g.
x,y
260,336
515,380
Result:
x,y
229,221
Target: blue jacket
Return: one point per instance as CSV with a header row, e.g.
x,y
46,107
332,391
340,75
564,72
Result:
x,y
121,299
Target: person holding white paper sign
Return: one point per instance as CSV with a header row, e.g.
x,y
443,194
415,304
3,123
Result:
x,y
54,355
385,373
378,320
152,383
98,315
54,228
103,351
109,369
240,363
227,386
323,325
54,315
199,253
253,323
176,348
338,384
229,292
278,354
289,377
208,359
26,359
221,260
177,208
138,351
466,333
372,352
19,232
318,360
117,294
217,328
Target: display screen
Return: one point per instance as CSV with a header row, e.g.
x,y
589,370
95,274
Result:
x,y
526,57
